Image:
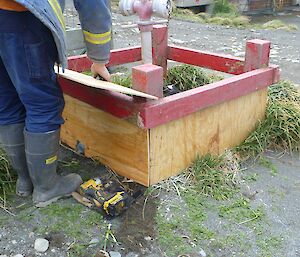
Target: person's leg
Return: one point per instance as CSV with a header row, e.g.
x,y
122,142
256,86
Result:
x,y
12,122
29,59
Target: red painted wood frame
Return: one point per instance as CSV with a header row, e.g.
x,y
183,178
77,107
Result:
x,y
153,113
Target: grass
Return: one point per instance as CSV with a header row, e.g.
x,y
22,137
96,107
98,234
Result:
x,y
218,177
281,126
240,211
121,79
263,161
226,14
278,24
186,77
70,219
75,221
6,180
213,177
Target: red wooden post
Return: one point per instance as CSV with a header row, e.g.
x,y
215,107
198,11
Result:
x,y
257,54
148,78
160,46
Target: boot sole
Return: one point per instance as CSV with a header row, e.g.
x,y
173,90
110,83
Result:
x,y
46,203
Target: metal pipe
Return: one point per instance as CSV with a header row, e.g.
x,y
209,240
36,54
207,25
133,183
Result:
x,y
145,9
146,46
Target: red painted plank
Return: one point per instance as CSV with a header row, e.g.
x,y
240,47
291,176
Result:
x,y
219,62
125,55
257,54
117,104
79,63
160,46
119,56
177,106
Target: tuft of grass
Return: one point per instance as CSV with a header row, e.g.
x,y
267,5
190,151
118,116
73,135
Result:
x,y
278,24
281,126
121,79
186,77
215,176
240,211
268,245
269,165
6,181
70,218
241,21
224,21
169,235
124,80
223,6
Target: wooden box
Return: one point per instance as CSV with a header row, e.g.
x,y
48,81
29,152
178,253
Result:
x,y
149,141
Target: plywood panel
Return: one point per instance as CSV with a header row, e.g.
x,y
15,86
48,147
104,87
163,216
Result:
x,y
238,118
113,141
175,145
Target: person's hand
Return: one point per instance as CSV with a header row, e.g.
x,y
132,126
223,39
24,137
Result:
x,y
100,69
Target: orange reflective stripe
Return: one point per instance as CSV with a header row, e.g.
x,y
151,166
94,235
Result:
x,y
11,5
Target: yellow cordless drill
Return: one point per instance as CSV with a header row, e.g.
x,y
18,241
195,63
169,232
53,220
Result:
x,y
105,197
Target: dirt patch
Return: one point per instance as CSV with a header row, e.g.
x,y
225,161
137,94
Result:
x,y
137,228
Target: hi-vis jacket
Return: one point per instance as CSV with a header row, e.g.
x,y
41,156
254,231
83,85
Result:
x,y
95,21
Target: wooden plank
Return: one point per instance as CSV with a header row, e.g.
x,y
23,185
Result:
x,y
219,62
94,83
257,54
160,46
117,57
239,118
114,142
117,104
174,146
177,106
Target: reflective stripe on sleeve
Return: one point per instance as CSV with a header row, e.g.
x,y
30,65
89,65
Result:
x,y
98,39
58,12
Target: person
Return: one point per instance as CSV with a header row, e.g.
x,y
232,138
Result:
x,y
31,101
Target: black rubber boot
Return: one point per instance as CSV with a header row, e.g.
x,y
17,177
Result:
x,y
41,154
12,141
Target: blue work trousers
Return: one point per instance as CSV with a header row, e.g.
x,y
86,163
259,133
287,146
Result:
x,y
29,91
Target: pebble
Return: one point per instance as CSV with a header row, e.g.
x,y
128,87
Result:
x,y
131,254
202,253
148,238
18,255
102,254
239,54
114,254
3,256
13,242
94,241
177,41
41,245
